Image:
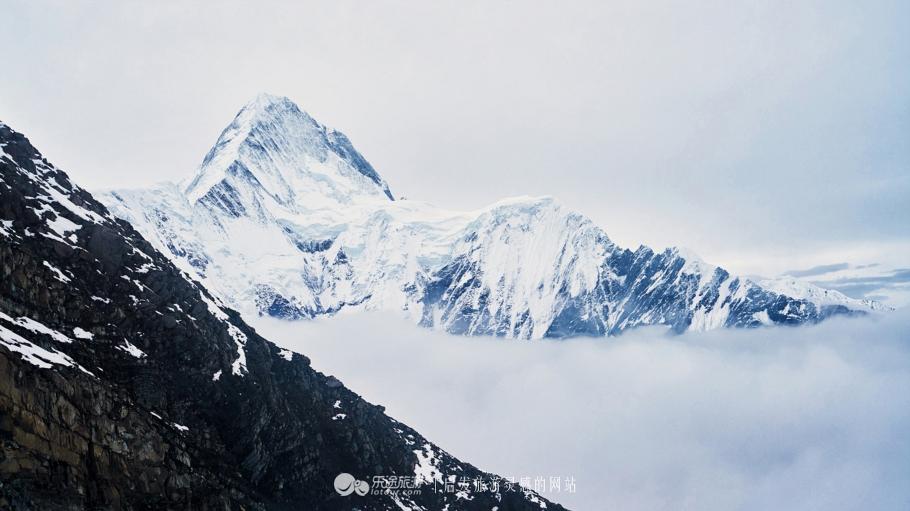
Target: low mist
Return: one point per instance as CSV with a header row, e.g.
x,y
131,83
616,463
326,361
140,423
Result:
x,y
780,418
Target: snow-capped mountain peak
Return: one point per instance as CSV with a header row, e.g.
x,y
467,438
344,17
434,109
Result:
x,y
275,152
285,218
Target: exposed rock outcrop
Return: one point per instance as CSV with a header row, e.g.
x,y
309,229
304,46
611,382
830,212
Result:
x,y
125,385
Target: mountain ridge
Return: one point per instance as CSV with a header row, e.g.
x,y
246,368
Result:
x,y
125,384
465,272
269,127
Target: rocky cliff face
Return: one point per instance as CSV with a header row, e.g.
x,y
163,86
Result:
x,y
125,385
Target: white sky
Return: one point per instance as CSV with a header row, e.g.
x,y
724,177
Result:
x,y
765,136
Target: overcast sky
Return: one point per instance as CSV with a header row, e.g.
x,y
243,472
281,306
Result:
x,y
766,136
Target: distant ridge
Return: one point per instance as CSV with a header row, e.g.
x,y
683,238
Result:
x,y
285,218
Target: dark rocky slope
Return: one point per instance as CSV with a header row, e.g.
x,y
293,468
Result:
x,y
123,385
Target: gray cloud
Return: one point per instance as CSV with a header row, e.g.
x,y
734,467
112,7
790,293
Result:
x,y
788,419
865,286
819,270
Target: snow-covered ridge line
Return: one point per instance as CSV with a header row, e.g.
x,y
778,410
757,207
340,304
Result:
x,y
285,218
68,215
272,143
790,286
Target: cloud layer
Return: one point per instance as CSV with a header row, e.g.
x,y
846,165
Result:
x,y
789,419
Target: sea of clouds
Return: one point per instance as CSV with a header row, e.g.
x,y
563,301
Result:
x,y
808,418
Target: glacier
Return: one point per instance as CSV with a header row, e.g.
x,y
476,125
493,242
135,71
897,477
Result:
x,y
285,218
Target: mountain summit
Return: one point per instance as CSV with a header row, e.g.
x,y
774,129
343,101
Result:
x,y
285,218
273,151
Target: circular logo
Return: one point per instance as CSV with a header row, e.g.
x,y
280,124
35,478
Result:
x,y
344,484
361,488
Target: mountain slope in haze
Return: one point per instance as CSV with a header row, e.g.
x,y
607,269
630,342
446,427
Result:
x,y
283,220
126,385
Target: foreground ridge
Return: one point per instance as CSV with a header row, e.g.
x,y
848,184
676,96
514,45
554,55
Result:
x,y
124,384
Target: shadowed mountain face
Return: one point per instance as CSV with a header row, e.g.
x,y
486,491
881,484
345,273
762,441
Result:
x,y
126,385
285,218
